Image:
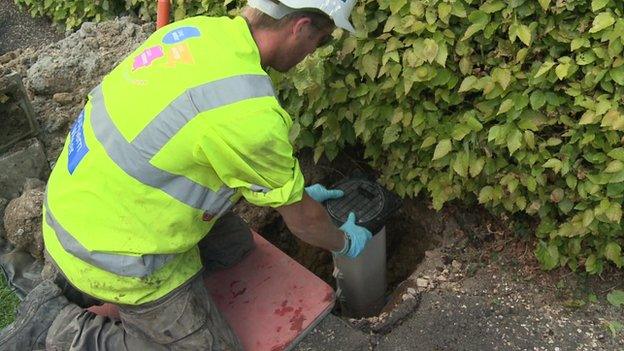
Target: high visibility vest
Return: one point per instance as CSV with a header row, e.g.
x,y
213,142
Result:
x,y
167,143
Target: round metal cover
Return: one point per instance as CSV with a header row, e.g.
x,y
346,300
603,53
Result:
x,y
366,199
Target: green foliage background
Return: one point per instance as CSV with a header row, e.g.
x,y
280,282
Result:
x,y
515,104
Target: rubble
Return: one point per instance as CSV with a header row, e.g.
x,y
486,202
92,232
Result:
x,y
22,219
422,282
63,98
80,60
58,77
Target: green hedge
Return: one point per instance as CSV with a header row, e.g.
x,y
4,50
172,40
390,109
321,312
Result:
x,y
515,104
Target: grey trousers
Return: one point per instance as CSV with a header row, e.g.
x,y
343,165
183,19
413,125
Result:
x,y
184,319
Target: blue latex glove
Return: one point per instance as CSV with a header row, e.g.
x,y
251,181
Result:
x,y
319,193
358,237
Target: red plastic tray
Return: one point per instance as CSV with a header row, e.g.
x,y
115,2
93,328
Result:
x,y
269,299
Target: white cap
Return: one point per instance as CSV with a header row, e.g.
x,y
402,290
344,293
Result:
x,y
338,10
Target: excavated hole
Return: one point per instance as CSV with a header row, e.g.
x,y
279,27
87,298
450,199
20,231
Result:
x,y
406,243
13,120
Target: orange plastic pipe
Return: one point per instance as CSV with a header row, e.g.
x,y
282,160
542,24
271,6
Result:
x,y
162,13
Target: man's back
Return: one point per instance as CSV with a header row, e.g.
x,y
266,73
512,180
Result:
x,y
145,157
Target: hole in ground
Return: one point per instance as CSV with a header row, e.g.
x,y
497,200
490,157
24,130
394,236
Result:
x,y
13,119
406,243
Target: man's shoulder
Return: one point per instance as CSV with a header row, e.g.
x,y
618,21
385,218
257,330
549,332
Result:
x,y
210,21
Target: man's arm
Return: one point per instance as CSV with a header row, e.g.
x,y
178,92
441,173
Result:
x,y
308,220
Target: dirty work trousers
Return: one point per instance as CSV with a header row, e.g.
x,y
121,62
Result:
x,y
185,319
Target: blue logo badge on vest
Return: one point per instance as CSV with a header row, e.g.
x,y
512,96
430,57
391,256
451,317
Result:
x,y
180,34
77,147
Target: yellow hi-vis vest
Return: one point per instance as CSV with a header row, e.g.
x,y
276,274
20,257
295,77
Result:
x,y
167,143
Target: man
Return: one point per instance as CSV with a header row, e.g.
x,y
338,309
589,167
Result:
x,y
164,147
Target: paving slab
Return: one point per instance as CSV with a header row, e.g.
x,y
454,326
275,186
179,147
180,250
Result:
x,y
332,333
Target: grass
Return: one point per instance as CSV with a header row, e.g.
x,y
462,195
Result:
x,y
8,302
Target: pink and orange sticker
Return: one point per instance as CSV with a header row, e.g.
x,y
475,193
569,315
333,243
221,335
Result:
x,y
176,54
147,57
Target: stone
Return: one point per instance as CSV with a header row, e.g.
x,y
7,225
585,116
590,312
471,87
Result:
x,y
422,282
82,58
22,221
407,297
32,183
26,160
7,57
63,98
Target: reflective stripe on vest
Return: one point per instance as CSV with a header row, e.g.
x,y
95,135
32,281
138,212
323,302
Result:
x,y
134,158
125,265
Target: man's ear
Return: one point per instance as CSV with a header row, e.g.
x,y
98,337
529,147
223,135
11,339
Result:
x,y
301,26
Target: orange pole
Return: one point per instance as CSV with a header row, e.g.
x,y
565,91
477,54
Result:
x,y
162,13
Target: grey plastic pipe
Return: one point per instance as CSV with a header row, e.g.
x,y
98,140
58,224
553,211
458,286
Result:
x,y
361,282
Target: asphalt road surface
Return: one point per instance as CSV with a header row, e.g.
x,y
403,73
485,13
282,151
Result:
x,y
19,30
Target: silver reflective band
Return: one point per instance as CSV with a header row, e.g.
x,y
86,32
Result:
x,y
124,265
259,189
197,100
134,158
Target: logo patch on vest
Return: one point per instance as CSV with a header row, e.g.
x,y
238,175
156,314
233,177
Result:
x,y
179,54
180,34
147,57
77,147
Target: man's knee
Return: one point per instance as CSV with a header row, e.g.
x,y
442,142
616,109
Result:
x,y
167,320
184,320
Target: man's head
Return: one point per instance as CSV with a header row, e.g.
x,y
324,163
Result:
x,y
286,35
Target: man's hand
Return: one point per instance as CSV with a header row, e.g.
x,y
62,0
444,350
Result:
x,y
357,235
320,194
